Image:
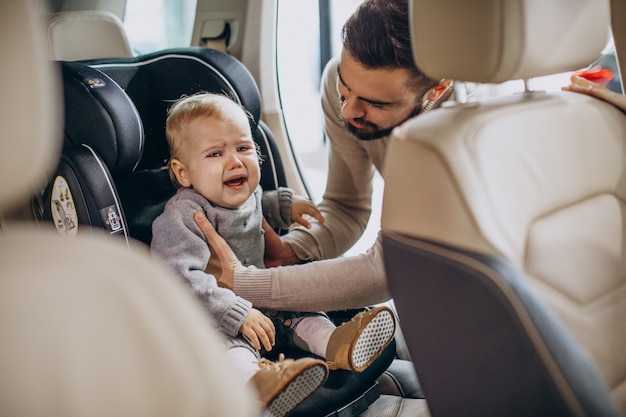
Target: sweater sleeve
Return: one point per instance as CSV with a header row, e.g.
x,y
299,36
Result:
x,y
277,207
178,240
346,203
334,284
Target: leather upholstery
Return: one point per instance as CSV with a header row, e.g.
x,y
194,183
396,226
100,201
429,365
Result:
x,y
495,41
88,34
26,148
504,225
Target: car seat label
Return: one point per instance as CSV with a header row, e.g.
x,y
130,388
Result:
x,y
112,219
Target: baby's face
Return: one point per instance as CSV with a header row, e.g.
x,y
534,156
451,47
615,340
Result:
x,y
220,159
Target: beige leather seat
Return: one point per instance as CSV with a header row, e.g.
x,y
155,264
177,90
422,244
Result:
x,y
504,220
88,328
90,34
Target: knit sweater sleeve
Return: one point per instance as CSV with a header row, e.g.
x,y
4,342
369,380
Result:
x,y
277,207
180,243
334,284
346,203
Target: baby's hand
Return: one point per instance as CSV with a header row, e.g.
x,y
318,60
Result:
x,y
259,329
301,206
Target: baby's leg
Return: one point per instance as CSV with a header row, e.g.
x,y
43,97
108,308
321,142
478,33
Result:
x,y
245,360
311,332
281,386
352,346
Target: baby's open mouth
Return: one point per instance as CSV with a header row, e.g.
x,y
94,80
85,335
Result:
x,y
235,182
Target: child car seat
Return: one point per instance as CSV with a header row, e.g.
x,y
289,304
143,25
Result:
x,y
140,184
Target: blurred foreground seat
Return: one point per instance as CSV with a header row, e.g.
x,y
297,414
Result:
x,y
89,328
504,219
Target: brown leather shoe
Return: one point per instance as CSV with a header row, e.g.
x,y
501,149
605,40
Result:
x,y
284,384
357,343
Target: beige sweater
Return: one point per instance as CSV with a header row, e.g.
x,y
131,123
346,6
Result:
x,y
334,283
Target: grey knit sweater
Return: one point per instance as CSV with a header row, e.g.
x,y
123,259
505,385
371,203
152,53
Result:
x,y
178,240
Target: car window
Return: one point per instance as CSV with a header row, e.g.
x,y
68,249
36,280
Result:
x,y
552,83
308,34
152,25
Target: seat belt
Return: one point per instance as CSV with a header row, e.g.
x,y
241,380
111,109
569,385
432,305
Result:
x,y
618,26
215,43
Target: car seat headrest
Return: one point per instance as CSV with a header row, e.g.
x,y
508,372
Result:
x,y
30,122
88,34
154,81
98,113
492,41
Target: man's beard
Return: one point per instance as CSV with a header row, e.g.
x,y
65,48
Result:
x,y
373,132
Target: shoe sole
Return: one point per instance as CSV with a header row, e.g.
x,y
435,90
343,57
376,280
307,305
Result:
x,y
300,388
374,338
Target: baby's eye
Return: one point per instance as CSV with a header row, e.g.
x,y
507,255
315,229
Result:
x,y
214,154
243,148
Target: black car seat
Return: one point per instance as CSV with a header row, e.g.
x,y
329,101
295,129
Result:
x,y
504,218
136,169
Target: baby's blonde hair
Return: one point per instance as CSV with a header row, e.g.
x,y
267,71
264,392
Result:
x,y
184,111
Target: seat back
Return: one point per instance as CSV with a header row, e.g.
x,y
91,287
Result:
x,y
504,219
88,34
88,327
153,81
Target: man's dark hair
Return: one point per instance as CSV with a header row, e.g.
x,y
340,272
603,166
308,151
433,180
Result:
x,y
377,35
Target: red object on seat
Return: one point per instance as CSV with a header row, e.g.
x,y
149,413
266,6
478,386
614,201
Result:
x,y
598,75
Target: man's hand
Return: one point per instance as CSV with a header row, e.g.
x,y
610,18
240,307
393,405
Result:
x,y
259,329
220,248
277,252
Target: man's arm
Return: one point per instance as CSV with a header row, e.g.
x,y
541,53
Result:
x,y
334,284
346,204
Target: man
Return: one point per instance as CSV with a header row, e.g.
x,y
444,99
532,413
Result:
x,y
373,87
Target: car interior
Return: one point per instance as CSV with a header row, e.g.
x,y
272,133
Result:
x,y
508,280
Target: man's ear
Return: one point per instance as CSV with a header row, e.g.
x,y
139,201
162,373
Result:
x,y
437,95
179,170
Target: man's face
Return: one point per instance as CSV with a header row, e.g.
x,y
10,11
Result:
x,y
374,101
